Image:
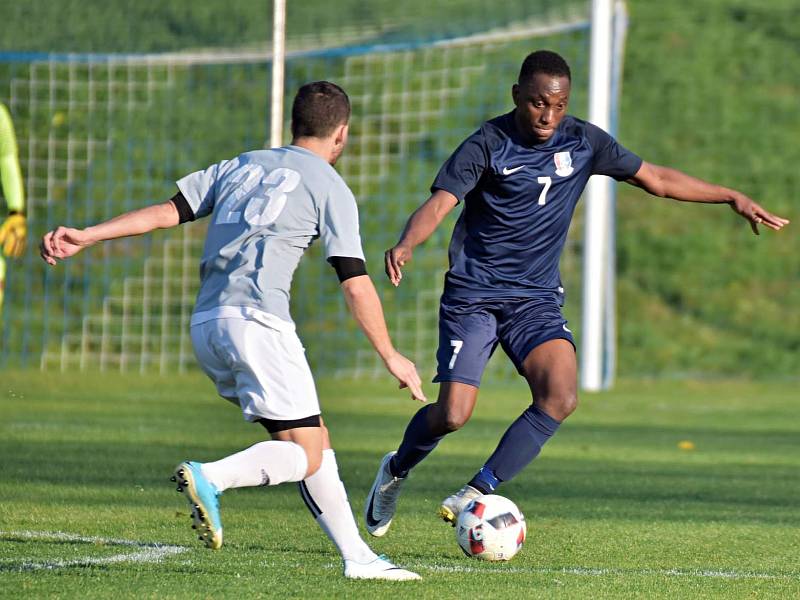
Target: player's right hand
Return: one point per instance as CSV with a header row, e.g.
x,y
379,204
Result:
x,y
63,243
406,373
394,258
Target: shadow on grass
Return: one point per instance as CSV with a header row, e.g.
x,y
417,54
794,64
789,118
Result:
x,y
746,484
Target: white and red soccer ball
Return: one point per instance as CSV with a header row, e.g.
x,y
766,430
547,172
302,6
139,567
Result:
x,y
491,527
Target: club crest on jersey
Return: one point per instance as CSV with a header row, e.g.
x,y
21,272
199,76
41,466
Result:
x,y
563,163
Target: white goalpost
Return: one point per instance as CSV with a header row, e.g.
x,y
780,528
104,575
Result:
x,y
598,323
278,61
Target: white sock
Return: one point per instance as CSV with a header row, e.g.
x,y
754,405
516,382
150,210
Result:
x,y
326,498
265,463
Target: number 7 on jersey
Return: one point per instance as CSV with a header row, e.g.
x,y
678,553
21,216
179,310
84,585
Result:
x,y
547,181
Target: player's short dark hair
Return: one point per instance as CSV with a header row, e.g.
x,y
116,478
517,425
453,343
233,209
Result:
x,y
318,109
544,61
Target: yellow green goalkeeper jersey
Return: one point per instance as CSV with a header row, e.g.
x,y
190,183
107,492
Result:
x,y
10,174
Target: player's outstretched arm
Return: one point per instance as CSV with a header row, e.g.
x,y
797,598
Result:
x,y
419,228
365,306
64,242
671,183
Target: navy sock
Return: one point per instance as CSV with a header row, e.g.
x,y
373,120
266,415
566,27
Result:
x,y
519,445
417,443
485,481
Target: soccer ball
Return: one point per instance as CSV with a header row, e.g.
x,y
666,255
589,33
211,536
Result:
x,y
491,527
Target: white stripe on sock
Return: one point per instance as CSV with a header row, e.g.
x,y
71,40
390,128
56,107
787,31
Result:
x,y
326,490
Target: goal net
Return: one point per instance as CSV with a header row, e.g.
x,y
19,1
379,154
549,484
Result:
x,y
99,134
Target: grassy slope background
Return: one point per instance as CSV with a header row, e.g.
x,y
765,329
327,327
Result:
x,y
710,87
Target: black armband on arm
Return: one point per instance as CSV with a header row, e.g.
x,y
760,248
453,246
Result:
x,y
185,212
347,267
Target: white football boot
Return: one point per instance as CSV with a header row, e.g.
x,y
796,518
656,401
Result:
x,y
453,505
380,568
381,502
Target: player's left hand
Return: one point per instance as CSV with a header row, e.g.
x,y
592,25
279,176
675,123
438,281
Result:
x,y
13,235
754,213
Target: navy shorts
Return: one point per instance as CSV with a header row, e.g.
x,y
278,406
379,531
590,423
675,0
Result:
x,y
471,328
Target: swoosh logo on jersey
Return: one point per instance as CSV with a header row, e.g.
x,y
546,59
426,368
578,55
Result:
x,y
507,171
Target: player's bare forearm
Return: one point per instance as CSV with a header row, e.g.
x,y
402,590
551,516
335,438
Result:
x,y
672,183
135,222
422,223
365,306
64,242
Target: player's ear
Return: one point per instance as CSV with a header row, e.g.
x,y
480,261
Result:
x,y
339,142
515,93
342,131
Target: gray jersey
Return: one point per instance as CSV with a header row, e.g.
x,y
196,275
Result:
x,y
267,207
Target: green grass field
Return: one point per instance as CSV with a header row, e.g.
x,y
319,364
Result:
x,y
614,507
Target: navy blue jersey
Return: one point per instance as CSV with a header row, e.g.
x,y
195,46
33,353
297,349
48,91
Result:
x,y
518,204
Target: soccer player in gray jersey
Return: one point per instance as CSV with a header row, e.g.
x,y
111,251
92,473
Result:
x,y
266,207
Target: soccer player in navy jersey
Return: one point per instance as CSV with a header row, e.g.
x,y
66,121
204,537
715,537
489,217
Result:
x,y
519,178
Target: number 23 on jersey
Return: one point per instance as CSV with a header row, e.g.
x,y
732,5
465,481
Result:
x,y
260,196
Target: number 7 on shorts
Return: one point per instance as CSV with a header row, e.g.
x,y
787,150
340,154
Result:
x,y
456,344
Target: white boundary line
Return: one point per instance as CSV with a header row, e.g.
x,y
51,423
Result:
x,y
152,552
599,572
147,552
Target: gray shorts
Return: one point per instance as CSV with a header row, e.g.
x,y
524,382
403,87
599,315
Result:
x,y
261,367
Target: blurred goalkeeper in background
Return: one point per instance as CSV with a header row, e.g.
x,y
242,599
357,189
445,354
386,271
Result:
x,y
266,207
13,231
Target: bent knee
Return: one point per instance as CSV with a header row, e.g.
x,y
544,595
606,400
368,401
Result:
x,y
314,460
454,421
559,406
448,416
570,404
444,421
